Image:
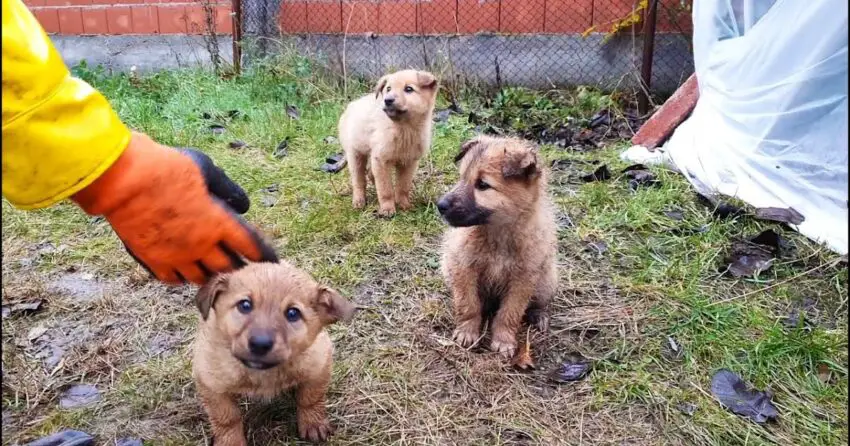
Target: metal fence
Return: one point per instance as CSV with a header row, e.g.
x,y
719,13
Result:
x,y
535,43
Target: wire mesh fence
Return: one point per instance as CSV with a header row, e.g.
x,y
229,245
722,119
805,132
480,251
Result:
x,y
532,43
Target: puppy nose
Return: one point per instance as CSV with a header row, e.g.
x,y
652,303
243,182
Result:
x,y
260,344
443,205
389,101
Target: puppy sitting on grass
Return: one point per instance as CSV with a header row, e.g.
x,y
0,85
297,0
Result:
x,y
262,332
499,255
388,131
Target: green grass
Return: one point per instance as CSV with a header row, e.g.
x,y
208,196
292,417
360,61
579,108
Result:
x,y
398,379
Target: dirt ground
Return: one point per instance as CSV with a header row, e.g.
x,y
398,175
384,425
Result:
x,y
636,279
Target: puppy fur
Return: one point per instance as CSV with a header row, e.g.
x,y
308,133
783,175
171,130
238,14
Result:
x,y
499,254
274,342
388,130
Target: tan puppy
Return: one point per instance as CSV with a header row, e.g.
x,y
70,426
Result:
x,y
262,332
499,255
388,131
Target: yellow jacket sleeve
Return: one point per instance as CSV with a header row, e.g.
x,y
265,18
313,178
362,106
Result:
x,y
59,133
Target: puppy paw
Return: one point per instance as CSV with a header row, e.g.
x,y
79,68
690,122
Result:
x,y
403,203
386,211
465,335
538,318
358,202
315,432
505,347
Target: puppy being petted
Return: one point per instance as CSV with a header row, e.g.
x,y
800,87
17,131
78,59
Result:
x,y
499,255
386,133
262,333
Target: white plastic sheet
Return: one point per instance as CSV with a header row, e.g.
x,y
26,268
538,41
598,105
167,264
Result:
x,y
770,125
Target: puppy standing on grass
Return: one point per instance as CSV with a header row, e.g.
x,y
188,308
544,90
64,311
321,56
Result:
x,y
262,332
389,132
499,255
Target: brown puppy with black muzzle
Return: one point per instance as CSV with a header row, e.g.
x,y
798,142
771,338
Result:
x,y
261,333
499,256
389,131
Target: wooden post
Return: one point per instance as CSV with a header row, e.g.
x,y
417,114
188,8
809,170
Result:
x,y
648,47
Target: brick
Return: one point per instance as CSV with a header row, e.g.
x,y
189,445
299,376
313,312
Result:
x,y
145,19
477,16
324,16
293,16
359,16
522,16
66,2
48,18
437,16
661,125
568,16
70,20
606,12
172,19
103,2
196,19
34,3
397,17
94,21
119,20
223,20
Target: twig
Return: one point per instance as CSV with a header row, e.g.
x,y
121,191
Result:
x,y
781,282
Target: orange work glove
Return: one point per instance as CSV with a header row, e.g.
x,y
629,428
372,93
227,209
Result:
x,y
174,211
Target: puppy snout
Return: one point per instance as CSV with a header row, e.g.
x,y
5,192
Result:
x,y
389,100
443,204
260,344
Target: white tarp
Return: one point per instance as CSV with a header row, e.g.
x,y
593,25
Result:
x,y
770,125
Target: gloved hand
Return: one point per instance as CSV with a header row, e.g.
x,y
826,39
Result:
x,y
174,211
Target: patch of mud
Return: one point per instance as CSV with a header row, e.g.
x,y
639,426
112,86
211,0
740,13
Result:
x,y
80,285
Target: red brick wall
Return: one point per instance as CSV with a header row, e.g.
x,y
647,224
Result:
x,y
352,16
128,16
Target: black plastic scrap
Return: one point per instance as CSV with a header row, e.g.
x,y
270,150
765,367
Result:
x,y
755,255
600,174
735,395
782,215
572,369
334,163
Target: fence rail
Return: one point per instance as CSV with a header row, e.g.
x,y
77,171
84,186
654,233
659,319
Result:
x,y
534,43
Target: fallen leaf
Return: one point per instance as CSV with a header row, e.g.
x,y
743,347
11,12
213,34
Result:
x,y
66,437
233,114
675,214
80,395
36,332
330,140
334,163
293,112
751,257
638,178
237,144
721,209
824,373
268,200
23,308
600,174
735,395
282,149
634,167
597,246
271,188
687,408
573,369
216,129
782,215
801,315
522,360
603,117
442,115
672,350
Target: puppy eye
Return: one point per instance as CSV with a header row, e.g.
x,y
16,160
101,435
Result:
x,y
482,185
408,89
293,314
244,306
388,88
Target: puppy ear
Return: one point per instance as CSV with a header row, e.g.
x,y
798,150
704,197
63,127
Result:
x,y
379,87
332,307
205,299
465,147
426,80
521,164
